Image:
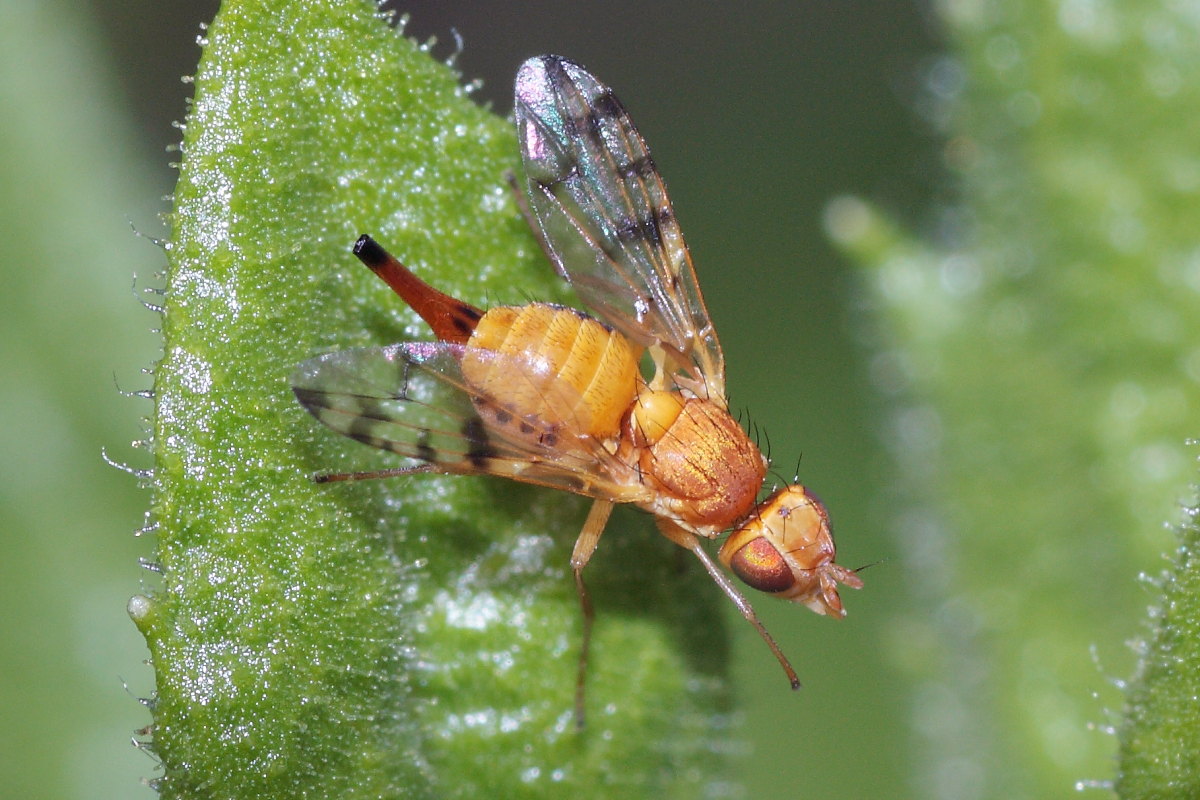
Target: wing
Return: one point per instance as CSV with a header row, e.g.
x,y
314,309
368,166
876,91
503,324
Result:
x,y
607,222
411,399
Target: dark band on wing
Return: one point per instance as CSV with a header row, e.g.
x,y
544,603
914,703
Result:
x,y
426,451
606,106
647,229
309,398
638,168
373,408
480,449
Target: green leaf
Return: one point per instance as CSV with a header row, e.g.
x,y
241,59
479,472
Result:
x,y
1160,736
69,325
406,638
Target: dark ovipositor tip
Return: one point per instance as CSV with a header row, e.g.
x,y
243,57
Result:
x,y
369,252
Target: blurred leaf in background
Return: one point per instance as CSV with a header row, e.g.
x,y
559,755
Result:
x,y
1040,346
73,177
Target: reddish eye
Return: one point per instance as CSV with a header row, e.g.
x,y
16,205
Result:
x,y
761,567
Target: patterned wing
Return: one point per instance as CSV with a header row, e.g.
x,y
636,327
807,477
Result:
x,y
607,222
412,399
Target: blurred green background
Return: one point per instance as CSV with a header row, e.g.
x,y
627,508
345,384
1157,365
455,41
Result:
x,y
759,114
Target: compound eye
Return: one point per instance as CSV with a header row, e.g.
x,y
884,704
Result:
x,y
761,566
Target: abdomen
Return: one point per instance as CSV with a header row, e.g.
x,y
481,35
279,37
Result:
x,y
576,372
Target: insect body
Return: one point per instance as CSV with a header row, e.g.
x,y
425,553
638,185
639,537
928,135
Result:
x,y
554,397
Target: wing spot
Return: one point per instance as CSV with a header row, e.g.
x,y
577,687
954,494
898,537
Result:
x,y
362,428
574,483
640,168
371,410
425,450
629,231
480,449
370,440
652,231
310,398
555,71
607,106
593,122
645,229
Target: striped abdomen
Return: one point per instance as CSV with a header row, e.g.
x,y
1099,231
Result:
x,y
582,375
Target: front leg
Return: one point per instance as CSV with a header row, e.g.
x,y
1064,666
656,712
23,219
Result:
x,y
689,540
